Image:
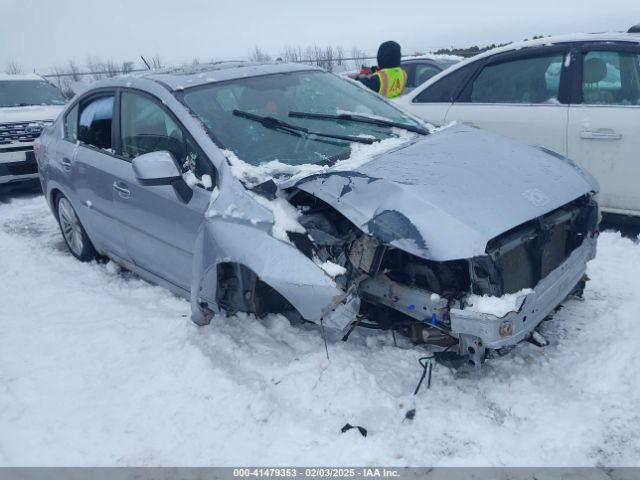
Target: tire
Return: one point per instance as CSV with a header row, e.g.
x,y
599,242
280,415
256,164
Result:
x,y
73,232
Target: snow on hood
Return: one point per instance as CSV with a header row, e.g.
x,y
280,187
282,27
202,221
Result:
x,y
30,113
445,196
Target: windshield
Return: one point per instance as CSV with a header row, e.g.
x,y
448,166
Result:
x,y
20,93
220,106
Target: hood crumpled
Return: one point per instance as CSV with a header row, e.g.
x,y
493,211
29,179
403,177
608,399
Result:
x,y
446,196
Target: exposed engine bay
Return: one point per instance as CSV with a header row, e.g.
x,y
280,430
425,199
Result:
x,y
416,297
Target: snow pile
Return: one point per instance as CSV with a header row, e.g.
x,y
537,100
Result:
x,y
285,216
256,174
498,306
333,269
98,367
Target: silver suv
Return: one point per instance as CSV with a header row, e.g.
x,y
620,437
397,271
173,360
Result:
x,y
283,188
28,103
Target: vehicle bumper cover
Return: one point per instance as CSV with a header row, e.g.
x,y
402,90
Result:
x,y
497,332
17,166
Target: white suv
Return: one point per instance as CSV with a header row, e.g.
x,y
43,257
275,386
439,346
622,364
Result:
x,y
28,103
576,95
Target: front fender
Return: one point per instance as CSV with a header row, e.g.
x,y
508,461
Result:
x,y
279,264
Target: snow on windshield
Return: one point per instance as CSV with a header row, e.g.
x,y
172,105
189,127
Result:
x,y
252,175
285,216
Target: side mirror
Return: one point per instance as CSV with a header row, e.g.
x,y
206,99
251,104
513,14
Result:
x,y
160,168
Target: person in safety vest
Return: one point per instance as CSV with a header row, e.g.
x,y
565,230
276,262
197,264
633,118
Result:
x,y
389,79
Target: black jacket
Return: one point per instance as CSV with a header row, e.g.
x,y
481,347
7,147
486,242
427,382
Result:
x,y
389,56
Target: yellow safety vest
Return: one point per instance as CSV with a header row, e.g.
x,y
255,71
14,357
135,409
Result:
x,y
392,81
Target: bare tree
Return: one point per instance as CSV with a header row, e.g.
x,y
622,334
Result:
x,y
329,58
292,53
74,70
13,68
96,67
65,76
111,68
127,67
257,55
156,62
339,56
359,56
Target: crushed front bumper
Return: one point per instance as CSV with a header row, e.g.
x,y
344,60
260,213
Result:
x,y
478,331
497,332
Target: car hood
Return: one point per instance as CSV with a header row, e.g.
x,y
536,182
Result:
x,y
446,196
30,113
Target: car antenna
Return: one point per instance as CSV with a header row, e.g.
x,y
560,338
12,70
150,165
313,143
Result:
x,y
324,337
145,62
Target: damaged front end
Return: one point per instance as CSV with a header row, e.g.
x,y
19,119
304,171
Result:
x,y
538,263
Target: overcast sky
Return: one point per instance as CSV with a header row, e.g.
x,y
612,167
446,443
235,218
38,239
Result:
x,y
38,34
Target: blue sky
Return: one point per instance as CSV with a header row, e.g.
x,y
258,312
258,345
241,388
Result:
x,y
42,33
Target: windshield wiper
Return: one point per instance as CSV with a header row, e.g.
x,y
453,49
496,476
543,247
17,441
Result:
x,y
278,125
360,119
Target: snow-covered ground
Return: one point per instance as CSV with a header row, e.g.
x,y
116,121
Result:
x,y
98,367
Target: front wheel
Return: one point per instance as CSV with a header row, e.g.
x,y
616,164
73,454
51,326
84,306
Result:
x,y
73,232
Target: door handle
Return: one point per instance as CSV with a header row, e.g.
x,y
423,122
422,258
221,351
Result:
x,y
66,164
600,134
122,189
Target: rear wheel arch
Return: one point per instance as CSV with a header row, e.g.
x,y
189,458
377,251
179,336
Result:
x,y
54,194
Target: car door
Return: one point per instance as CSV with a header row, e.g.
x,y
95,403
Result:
x,y
604,122
522,95
433,100
160,229
92,171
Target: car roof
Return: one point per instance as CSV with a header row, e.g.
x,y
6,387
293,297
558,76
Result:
x,y
20,77
185,77
560,39
544,41
438,59
556,40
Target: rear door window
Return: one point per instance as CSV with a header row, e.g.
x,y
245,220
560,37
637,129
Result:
x,y
525,80
96,118
611,78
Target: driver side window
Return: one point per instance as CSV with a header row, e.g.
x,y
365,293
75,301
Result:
x,y
147,127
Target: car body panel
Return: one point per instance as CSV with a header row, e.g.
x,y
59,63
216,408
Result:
x,y
444,197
